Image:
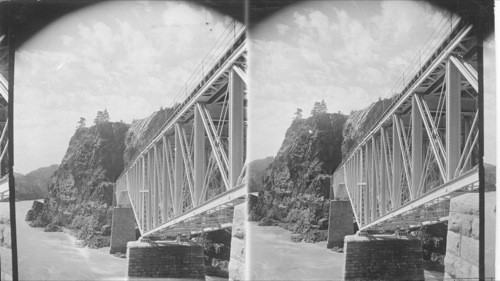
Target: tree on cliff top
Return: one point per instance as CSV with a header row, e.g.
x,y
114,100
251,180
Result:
x,y
298,114
102,117
318,108
81,123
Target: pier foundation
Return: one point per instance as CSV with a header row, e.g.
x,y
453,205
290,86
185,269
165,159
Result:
x,y
340,223
122,229
462,241
158,259
236,265
382,257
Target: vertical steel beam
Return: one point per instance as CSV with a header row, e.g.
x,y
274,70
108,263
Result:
x,y
373,179
143,184
368,184
156,201
416,148
236,126
467,129
149,190
166,182
453,96
397,159
199,157
178,172
382,174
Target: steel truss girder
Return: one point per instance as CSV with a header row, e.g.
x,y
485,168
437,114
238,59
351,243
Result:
x,y
167,170
381,175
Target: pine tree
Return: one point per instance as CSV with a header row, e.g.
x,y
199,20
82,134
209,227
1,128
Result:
x,y
318,108
81,123
298,114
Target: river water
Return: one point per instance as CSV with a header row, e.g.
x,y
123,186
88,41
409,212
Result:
x,y
54,255
273,256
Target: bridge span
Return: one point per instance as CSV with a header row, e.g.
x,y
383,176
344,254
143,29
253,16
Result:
x,y
421,153
190,177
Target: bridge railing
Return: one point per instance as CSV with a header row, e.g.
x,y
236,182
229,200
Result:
x,y
425,141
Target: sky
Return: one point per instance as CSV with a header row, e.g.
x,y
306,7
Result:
x,y
134,57
347,53
128,57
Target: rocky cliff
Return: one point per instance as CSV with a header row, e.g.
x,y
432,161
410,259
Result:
x,y
296,186
80,192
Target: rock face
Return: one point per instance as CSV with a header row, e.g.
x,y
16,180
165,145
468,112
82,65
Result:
x,y
217,251
80,192
296,186
359,123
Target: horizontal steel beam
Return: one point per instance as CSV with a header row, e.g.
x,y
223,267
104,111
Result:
x,y
223,199
467,179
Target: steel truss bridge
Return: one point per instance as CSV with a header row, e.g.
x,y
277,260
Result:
x,y
190,176
424,149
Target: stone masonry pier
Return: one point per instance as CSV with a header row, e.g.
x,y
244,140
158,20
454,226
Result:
x,y
165,260
382,257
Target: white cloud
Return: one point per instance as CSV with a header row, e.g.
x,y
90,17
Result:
x,y
282,28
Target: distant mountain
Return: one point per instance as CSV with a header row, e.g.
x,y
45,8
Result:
x,y
256,170
34,185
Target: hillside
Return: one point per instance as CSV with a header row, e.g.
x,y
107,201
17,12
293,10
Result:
x,y
80,192
296,185
34,185
256,172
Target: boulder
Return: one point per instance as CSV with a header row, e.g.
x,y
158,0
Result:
x,y
53,228
297,238
106,230
323,223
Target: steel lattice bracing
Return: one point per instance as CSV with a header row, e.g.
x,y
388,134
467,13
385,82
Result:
x,y
425,148
189,177
4,97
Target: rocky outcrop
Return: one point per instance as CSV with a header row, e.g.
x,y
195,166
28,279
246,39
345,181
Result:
x,y
80,192
296,186
217,251
359,123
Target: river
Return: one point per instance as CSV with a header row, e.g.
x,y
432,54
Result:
x,y
275,257
55,256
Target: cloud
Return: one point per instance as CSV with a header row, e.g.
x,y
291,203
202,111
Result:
x,y
105,60
282,28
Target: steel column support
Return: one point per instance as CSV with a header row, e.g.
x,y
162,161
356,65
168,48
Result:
x,y
373,179
236,126
156,201
165,183
368,184
397,159
178,172
453,96
382,174
199,158
416,148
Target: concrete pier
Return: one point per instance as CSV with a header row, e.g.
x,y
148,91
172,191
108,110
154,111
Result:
x,y
382,257
165,260
122,229
236,265
340,223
